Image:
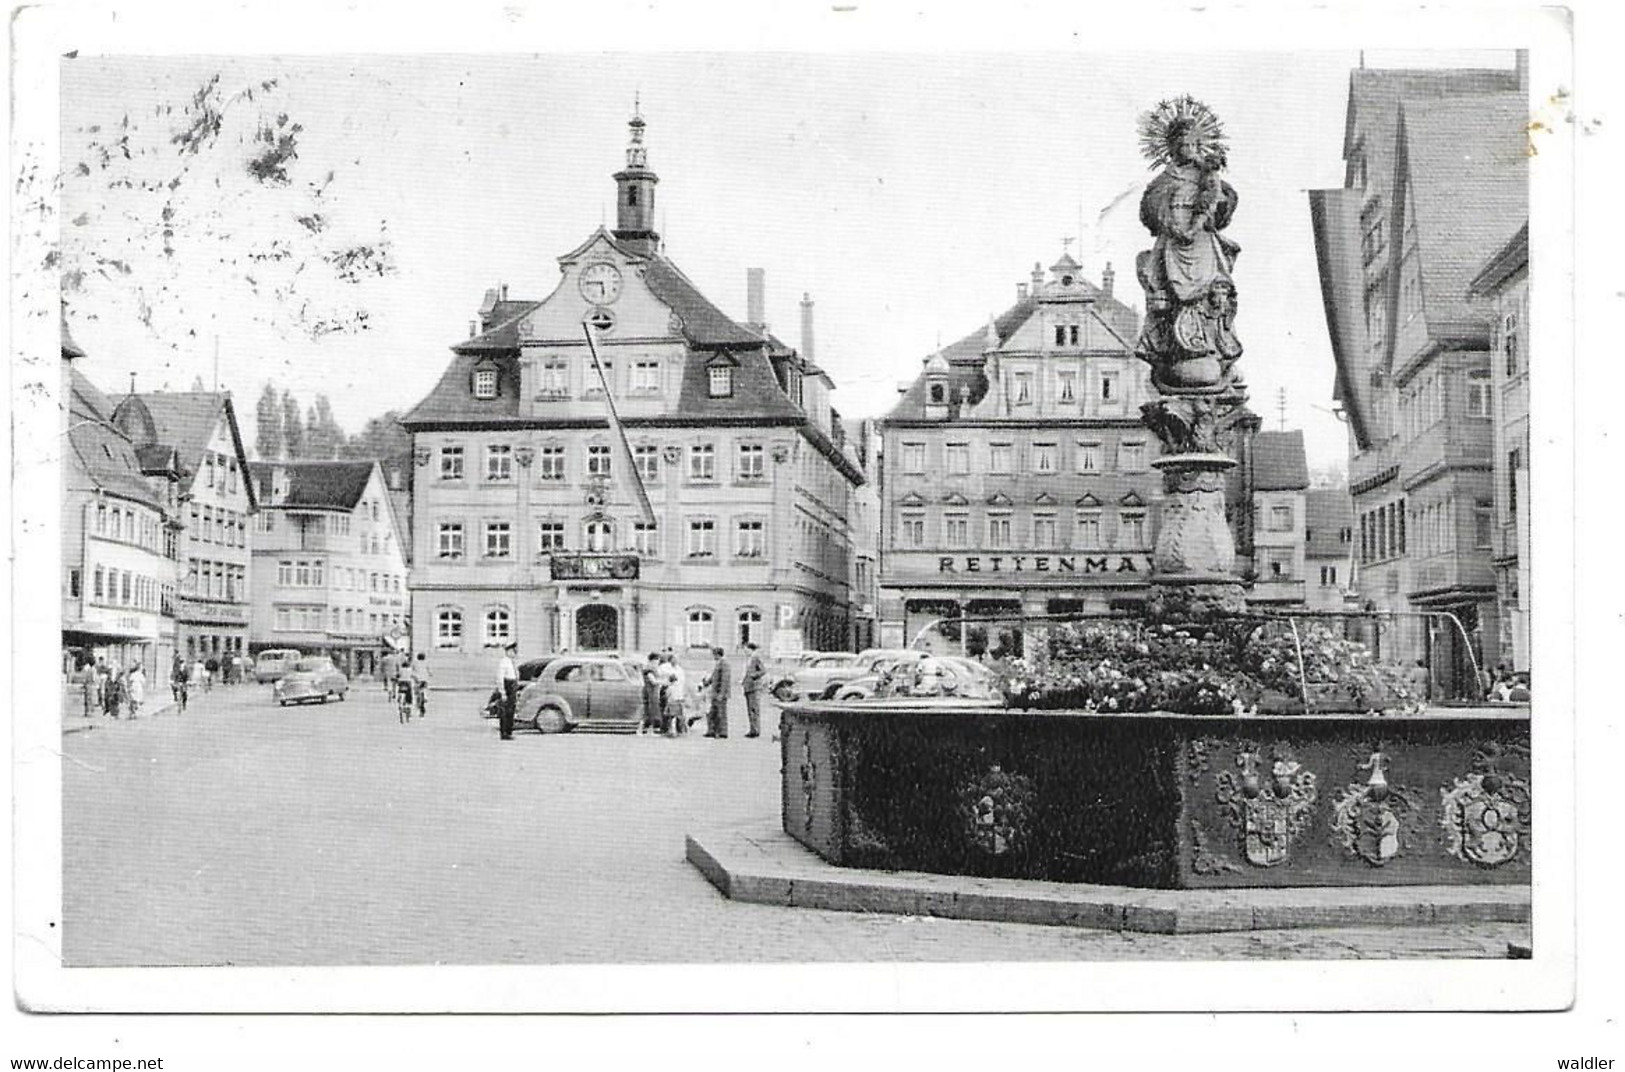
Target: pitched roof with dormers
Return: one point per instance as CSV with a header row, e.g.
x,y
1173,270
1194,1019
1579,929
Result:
x,y
183,421
104,454
967,358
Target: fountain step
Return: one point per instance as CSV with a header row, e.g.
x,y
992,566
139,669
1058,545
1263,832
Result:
x,y
761,864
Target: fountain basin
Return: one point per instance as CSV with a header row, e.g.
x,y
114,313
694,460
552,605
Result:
x,y
1161,800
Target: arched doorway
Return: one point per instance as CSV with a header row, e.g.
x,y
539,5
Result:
x,y
598,627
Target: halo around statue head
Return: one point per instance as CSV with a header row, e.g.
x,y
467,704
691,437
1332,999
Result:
x,y
1164,125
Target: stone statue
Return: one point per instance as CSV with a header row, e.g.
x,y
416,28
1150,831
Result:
x,y
1189,341
1189,338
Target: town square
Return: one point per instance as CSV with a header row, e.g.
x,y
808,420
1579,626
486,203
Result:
x,y
614,518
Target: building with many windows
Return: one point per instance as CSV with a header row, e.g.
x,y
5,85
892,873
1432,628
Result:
x,y
1436,181
1017,475
328,574
526,527
197,432
1503,284
119,536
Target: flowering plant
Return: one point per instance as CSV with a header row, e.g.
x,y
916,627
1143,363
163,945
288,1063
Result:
x,y
1228,667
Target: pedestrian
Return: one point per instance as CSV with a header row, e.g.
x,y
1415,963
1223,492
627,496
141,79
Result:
x,y
750,683
420,684
138,689
508,683
92,686
717,685
177,682
674,696
212,665
654,719
109,690
200,673
390,669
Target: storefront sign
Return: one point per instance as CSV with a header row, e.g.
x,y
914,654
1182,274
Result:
x,y
1052,564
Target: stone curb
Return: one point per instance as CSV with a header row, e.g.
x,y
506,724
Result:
x,y
79,724
760,864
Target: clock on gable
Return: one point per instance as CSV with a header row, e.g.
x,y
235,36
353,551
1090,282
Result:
x,y
600,283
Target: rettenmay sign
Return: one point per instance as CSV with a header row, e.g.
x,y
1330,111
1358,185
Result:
x,y
1053,564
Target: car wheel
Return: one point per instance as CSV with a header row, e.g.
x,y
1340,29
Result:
x,y
550,719
784,692
282,703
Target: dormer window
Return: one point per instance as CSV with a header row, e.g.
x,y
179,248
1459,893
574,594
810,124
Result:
x,y
722,381
485,383
939,394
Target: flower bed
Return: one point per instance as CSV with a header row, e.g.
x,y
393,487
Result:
x,y
1232,667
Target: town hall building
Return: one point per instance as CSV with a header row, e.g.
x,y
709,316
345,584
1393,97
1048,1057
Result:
x,y
526,526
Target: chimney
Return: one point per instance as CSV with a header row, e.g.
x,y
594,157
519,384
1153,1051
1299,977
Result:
x,y
473,328
755,297
1038,276
806,327
394,480
1107,278
503,287
1021,292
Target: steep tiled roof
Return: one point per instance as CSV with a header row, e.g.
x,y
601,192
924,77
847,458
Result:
x,y
452,399
1327,512
1467,165
703,323
1279,463
756,391
335,485
1375,92
106,455
182,420
1502,265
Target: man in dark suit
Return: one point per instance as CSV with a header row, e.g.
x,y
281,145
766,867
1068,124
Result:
x,y
719,682
750,683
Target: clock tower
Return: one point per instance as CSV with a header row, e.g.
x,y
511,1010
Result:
x,y
635,193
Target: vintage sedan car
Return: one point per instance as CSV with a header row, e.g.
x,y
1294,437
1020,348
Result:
x,y
313,678
920,674
816,677
271,665
598,691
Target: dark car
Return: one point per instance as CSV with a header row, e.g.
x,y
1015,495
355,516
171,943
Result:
x,y
569,691
313,678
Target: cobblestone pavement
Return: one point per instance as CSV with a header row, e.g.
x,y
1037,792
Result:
x,y
243,833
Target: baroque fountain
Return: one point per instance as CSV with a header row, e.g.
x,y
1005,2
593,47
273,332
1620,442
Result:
x,y
1197,745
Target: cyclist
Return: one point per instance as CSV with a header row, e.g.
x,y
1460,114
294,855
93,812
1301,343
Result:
x,y
402,685
420,683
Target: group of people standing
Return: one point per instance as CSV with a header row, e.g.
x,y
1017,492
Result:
x,y
112,694
666,699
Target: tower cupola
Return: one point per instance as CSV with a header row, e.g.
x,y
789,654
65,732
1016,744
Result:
x,y
635,191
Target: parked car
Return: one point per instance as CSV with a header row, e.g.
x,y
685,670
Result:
x,y
816,676
271,665
881,668
311,678
604,691
938,677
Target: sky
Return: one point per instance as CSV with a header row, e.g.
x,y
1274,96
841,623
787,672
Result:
x,y
906,194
